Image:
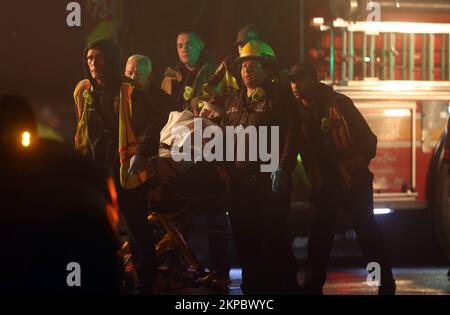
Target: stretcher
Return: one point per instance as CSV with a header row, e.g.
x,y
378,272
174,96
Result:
x,y
174,205
178,193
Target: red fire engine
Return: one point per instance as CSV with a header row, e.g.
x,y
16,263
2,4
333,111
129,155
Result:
x,y
397,73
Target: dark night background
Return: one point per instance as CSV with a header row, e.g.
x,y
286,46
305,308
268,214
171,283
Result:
x,y
41,59
40,56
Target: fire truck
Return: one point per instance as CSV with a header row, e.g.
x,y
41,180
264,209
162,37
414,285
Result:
x,y
397,74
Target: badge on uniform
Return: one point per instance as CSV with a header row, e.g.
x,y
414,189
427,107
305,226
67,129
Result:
x,y
188,93
326,123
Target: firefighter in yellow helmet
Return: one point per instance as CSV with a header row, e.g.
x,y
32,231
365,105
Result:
x,y
260,200
336,146
226,79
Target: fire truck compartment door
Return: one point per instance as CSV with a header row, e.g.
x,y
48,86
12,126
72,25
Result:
x,y
394,167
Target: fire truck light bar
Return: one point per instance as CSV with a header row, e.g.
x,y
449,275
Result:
x,y
397,112
317,21
393,27
382,211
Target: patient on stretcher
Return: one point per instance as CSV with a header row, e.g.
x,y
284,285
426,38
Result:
x,y
180,191
186,176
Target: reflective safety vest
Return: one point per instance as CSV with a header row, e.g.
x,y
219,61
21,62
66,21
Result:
x,y
83,100
128,139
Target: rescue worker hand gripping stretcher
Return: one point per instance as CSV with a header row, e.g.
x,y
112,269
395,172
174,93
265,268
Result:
x,y
180,191
177,135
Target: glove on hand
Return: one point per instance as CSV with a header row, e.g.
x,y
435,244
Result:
x,y
137,164
280,180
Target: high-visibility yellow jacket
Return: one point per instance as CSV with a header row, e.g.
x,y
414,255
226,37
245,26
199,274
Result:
x,y
128,138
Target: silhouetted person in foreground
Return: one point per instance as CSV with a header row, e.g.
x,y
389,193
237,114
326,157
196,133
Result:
x,y
57,208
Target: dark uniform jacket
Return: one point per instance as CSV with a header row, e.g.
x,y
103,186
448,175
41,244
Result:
x,y
334,140
176,79
273,107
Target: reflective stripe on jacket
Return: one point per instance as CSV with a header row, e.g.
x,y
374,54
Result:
x,y
128,139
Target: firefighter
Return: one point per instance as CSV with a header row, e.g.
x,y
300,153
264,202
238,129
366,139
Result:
x,y
117,128
260,200
184,83
336,146
226,79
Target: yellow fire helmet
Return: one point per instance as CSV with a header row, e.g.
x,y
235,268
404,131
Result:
x,y
256,49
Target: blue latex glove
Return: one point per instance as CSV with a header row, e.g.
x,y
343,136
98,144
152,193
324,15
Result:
x,y
137,164
280,180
